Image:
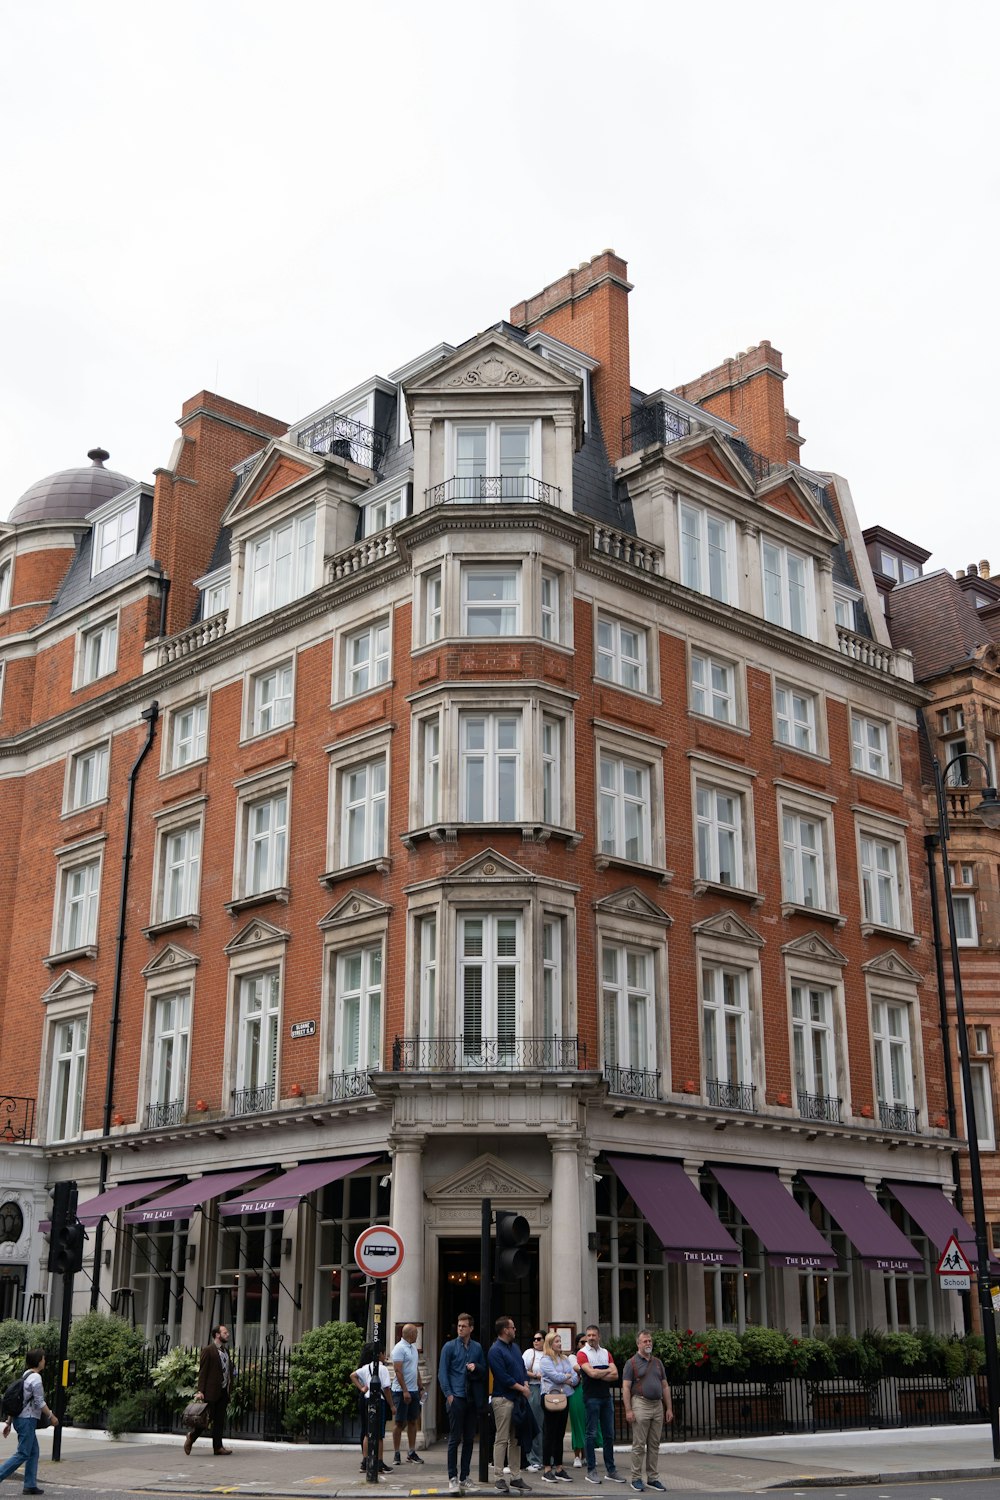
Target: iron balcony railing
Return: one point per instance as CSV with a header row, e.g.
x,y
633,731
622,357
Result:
x,y
454,1054
491,488
351,1085
659,423
723,1095
17,1120
632,1083
897,1117
759,466
160,1115
345,438
820,1107
253,1101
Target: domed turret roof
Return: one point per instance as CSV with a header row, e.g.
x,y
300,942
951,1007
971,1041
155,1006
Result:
x,y
72,493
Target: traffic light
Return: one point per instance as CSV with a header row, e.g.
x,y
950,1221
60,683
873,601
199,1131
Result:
x,y
513,1231
66,1235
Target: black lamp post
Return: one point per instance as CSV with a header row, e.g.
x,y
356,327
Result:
x,y
989,811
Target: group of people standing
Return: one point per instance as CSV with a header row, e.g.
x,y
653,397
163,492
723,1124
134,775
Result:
x,y
536,1393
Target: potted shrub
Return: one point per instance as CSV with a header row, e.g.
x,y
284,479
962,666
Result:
x,y
321,1368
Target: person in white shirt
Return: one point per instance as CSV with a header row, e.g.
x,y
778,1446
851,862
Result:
x,y
361,1379
532,1362
26,1425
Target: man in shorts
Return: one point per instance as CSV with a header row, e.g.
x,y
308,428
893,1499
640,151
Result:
x,y
406,1390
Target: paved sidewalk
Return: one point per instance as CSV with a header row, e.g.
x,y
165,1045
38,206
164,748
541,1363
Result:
x,y
158,1464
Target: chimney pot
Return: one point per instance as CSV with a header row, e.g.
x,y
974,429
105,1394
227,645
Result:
x,y
972,571
984,568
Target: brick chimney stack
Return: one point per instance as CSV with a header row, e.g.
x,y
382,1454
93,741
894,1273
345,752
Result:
x,y
747,392
588,308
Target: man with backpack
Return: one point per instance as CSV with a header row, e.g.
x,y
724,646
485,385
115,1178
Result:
x,y
32,1409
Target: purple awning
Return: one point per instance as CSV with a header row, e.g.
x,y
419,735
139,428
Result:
x,y
880,1244
91,1212
681,1219
938,1218
787,1233
182,1201
286,1191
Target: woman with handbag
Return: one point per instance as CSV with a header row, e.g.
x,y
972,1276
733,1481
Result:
x,y
558,1380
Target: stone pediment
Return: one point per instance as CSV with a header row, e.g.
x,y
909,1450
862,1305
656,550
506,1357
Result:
x,y
494,363
813,945
630,902
707,454
356,906
891,966
731,928
280,466
489,1177
69,983
491,866
256,934
787,496
170,958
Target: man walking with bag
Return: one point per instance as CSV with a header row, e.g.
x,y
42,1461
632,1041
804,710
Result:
x,y
26,1425
647,1402
215,1382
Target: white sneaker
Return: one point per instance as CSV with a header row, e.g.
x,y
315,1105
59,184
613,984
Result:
x,y
453,1487
534,1468
578,1463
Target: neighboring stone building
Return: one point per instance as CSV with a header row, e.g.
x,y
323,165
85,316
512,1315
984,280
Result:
x,y
952,627
531,809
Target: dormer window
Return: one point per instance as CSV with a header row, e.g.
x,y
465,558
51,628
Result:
x,y
898,567
115,536
280,564
845,606
214,593
493,460
385,510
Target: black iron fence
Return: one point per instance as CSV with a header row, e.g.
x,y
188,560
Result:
x,y
634,1083
344,437
471,1052
704,1408
472,489
17,1120
897,1117
819,1107
253,1101
725,1095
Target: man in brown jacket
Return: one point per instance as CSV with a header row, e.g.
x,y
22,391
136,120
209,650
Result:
x,y
215,1382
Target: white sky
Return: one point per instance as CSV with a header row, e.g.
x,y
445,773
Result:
x,y
276,201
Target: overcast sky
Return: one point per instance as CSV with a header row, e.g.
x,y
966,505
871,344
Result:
x,y
276,201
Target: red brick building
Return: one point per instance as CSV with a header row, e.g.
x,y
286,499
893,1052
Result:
x,y
524,801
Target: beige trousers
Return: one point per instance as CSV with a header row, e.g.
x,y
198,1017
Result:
x,y
647,1428
506,1446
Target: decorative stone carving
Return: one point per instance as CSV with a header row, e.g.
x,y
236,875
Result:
x,y
493,371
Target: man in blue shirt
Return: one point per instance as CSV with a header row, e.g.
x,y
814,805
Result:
x,y
462,1377
406,1393
510,1380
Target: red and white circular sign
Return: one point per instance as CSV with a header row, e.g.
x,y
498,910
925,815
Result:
x,y
378,1250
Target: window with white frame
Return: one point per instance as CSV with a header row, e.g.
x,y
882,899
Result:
x,y
814,1056
621,653
180,872
795,717
788,588
490,767
280,564
957,769
493,460
215,596
169,1063
384,512
552,978
551,769
966,927
982,1102
98,651
628,1012
706,552
880,881
952,719
115,537
266,838
6,574
257,1041
893,1062
845,606
69,1065
719,829
88,777
188,736
726,1032
79,894
432,605
489,987
713,687
363,811
981,1040
803,862
271,698
898,567
427,940
870,746
430,734
491,600
550,605
366,658
358,1033
624,819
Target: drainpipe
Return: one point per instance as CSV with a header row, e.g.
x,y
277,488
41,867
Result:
x,y
150,714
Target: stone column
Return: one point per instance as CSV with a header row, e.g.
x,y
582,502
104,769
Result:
x,y
406,1287
566,1243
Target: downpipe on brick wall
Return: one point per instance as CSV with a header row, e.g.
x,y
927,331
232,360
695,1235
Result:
x,y
151,715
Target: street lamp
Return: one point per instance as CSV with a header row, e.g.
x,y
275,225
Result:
x,y
989,811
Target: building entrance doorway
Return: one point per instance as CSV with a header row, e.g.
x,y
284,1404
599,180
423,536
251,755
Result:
x,y
458,1291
